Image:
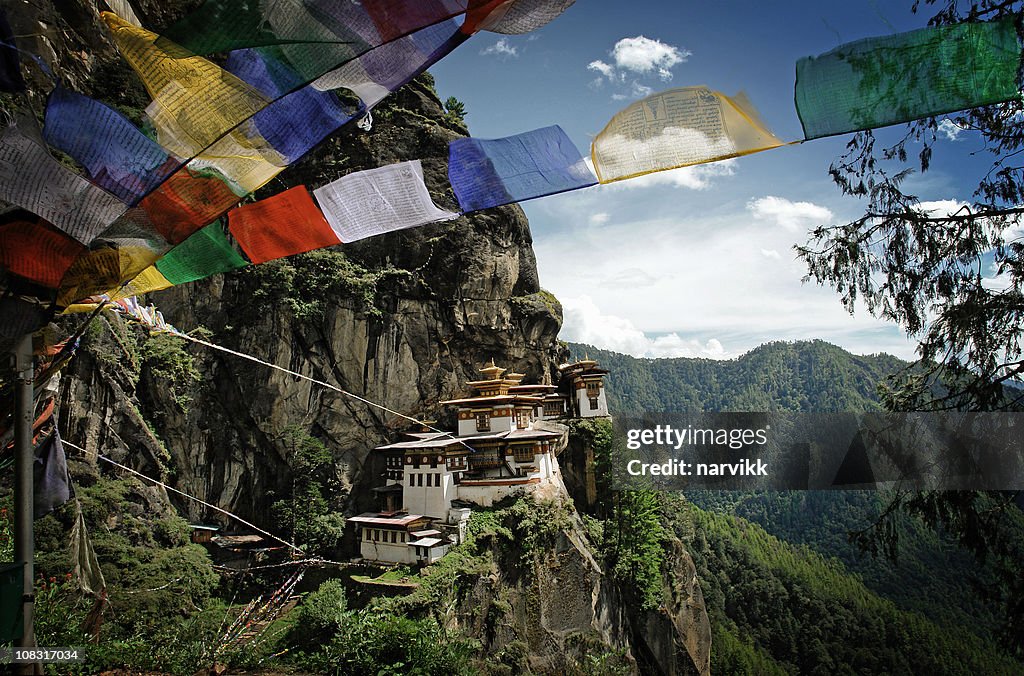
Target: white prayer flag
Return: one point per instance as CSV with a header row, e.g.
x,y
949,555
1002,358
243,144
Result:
x,y
376,201
33,180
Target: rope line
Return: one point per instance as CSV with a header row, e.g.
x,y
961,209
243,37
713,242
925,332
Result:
x,y
310,379
322,383
190,497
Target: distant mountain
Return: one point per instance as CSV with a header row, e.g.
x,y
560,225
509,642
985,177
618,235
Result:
x,y
812,376
933,577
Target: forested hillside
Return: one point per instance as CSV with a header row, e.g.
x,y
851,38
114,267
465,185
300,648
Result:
x,y
775,564
812,376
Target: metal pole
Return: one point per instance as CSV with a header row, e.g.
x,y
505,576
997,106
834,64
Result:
x,y
24,545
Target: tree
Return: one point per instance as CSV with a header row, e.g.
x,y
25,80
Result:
x,y
312,522
455,110
930,272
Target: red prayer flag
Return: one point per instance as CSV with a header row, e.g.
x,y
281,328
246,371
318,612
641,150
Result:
x,y
285,224
36,250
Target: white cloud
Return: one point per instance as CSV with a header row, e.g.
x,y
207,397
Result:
x,y
793,216
600,218
692,269
645,56
637,57
1014,231
501,49
771,253
940,208
585,323
603,68
949,129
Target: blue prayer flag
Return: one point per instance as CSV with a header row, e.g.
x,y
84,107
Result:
x,y
489,173
116,155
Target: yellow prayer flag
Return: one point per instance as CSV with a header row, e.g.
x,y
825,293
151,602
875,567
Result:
x,y
678,128
194,100
244,158
148,280
101,271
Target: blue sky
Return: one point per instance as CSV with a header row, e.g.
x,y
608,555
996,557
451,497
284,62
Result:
x,y
697,261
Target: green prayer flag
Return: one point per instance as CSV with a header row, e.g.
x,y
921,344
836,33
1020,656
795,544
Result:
x,y
206,252
897,78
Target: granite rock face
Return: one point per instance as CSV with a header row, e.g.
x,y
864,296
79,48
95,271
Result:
x,y
403,320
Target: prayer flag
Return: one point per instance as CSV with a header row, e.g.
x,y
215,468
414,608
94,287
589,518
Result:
x,y
376,201
514,17
285,224
342,30
116,155
100,270
187,201
30,178
32,248
205,253
194,100
487,173
897,78
146,281
383,70
294,124
678,128
123,9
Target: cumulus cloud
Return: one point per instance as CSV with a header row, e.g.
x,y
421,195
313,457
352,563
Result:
x,y
644,55
583,322
600,218
501,49
637,57
949,129
792,216
940,208
603,68
1014,232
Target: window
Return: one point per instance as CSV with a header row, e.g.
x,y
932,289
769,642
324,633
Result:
x,y
394,537
483,422
522,419
523,453
366,534
412,478
593,389
403,536
376,535
593,403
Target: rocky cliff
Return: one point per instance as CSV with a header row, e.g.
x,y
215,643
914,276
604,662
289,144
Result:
x,y
403,319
